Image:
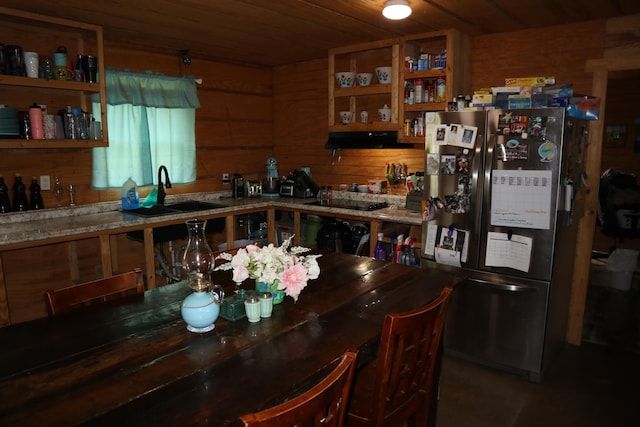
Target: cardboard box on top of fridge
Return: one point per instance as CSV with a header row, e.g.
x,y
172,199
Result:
x,y
529,81
519,101
499,90
584,107
483,99
559,90
540,100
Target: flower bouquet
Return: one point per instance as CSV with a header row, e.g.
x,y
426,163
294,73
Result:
x,y
281,268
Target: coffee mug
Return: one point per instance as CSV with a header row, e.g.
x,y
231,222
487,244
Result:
x,y
345,117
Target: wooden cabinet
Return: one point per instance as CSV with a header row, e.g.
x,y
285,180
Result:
x,y
455,74
364,58
43,34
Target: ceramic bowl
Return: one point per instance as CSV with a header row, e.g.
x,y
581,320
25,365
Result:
x,y
346,117
363,188
364,79
345,78
384,75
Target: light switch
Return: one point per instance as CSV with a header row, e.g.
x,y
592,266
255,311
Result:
x,y
45,182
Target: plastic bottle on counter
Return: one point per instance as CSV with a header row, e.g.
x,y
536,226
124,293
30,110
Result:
x,y
20,201
379,252
5,203
129,195
35,201
397,254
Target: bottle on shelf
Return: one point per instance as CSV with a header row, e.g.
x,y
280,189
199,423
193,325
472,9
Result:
x,y
70,124
379,252
35,201
36,121
20,201
5,203
441,89
25,128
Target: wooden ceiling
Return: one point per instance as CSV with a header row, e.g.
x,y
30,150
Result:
x,y
269,33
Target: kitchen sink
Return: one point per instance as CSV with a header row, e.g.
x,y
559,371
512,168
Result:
x,y
194,206
152,211
176,231
187,206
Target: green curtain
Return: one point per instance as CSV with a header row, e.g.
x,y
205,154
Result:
x,y
151,122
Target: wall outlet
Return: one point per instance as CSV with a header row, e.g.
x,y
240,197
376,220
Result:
x,y
225,178
45,182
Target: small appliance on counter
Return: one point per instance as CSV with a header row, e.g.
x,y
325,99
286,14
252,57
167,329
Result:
x,y
252,188
237,188
271,184
299,184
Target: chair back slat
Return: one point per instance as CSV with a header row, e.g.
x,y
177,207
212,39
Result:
x,y
401,377
322,405
63,300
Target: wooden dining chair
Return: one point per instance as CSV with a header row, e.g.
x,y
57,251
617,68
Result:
x,y
89,293
395,389
322,405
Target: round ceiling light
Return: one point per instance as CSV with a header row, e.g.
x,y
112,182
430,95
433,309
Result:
x,y
396,9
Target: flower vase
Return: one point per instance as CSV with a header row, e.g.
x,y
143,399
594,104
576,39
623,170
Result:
x,y
278,295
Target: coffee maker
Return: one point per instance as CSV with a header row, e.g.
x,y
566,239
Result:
x,y
237,188
299,184
271,184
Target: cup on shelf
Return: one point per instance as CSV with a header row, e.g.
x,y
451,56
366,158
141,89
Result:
x,y
364,79
60,66
384,75
91,69
95,130
345,117
31,64
345,78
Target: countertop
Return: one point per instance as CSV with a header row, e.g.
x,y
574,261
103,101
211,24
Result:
x,y
22,229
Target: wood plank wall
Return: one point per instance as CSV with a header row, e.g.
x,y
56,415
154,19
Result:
x,y
249,114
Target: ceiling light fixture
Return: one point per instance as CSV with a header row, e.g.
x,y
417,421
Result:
x,y
396,9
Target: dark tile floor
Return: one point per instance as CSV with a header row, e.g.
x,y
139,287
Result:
x,y
595,384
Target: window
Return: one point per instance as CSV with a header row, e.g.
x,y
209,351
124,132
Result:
x,y
151,121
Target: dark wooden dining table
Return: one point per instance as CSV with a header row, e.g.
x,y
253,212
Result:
x,y
133,362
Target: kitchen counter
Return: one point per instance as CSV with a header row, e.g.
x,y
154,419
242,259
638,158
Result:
x,y
25,229
36,230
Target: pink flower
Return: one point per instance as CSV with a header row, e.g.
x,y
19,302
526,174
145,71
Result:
x,y
293,280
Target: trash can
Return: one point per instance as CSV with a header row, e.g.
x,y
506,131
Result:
x,y
622,264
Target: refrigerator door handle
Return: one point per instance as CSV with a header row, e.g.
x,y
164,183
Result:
x,y
509,287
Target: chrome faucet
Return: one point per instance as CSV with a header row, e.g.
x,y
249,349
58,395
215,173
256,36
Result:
x,y
161,187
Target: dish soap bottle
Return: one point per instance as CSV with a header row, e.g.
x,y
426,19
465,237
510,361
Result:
x,y
130,197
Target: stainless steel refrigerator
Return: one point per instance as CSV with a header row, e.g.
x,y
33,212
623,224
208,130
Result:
x,y
499,205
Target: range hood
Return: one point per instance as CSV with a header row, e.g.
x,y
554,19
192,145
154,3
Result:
x,y
355,140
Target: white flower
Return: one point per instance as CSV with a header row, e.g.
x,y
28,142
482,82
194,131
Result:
x,y
269,264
